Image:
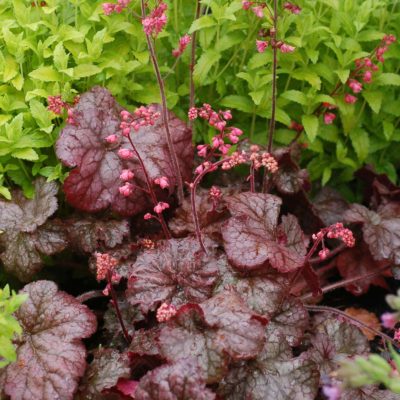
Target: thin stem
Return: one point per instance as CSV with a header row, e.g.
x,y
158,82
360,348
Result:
x,y
168,135
252,179
352,319
274,68
93,294
193,63
331,254
348,281
116,306
150,189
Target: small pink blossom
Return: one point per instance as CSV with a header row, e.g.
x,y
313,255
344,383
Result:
x,y
215,192
338,231
156,21
329,118
397,335
126,190
350,99
367,77
292,8
56,104
108,8
104,263
163,182
246,4
202,150
165,312
323,254
126,175
192,114
147,216
389,39
125,154
183,43
332,392
269,162
111,139
224,148
287,48
261,45
160,207
226,114
389,320
259,11
355,86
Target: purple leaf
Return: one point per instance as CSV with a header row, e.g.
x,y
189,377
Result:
x,y
176,272
103,372
183,380
88,235
145,342
27,236
253,239
290,322
50,354
381,229
330,206
368,393
333,340
219,330
273,375
93,183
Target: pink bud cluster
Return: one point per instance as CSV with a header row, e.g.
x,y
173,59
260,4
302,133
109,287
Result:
x,y
156,21
261,45
217,120
56,104
335,231
293,8
142,116
160,207
205,166
263,160
332,392
236,158
109,8
163,182
183,43
165,312
389,320
215,193
104,264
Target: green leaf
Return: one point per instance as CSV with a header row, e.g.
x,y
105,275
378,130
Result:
x,y
204,64
388,129
45,74
388,78
374,100
296,96
26,154
41,115
311,124
205,21
241,103
306,75
343,74
10,68
60,57
85,70
5,192
360,140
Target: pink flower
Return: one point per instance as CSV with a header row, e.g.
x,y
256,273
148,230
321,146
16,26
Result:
x,y
147,216
355,86
215,192
165,312
258,11
389,320
367,77
323,254
216,142
126,190
104,263
292,8
350,99
56,104
202,150
156,21
111,139
163,182
192,114
329,118
389,39
126,175
261,45
236,131
338,231
332,392
269,162
233,138
226,114
397,335
224,148
160,207
287,48
108,8
125,154
246,4
183,43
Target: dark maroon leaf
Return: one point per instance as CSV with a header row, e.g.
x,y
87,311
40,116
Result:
x,y
290,322
50,354
312,279
104,372
127,387
210,218
253,239
368,393
176,272
145,342
333,340
358,261
90,234
93,183
219,330
381,229
183,380
273,375
26,234
330,206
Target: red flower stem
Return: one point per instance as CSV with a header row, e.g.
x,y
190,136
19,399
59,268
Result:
x,y
252,179
116,306
352,319
193,187
332,253
193,62
168,135
274,68
93,294
348,281
151,192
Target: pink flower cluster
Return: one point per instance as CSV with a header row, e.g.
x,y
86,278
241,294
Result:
x,y
335,231
236,158
109,8
261,45
263,160
56,104
292,8
104,264
163,182
127,189
142,116
389,320
183,43
156,21
165,312
160,207
218,120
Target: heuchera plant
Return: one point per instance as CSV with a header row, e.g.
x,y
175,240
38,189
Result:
x,y
211,295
